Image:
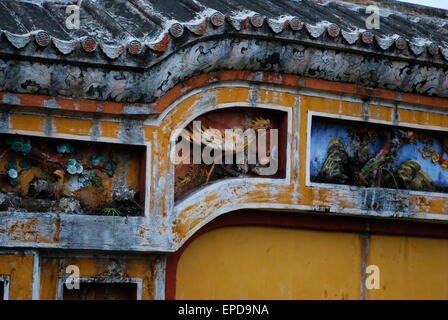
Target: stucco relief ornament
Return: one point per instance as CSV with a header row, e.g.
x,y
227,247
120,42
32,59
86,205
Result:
x,y
19,41
42,38
190,176
74,167
135,47
119,89
333,30
295,24
384,43
177,30
350,37
315,31
217,19
65,47
257,20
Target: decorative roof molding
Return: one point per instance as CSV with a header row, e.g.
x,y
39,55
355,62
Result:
x,y
277,26
237,23
112,52
384,43
19,41
350,37
257,20
65,47
315,31
417,49
199,28
146,86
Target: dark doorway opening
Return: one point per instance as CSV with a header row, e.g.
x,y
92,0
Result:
x,y
2,290
102,291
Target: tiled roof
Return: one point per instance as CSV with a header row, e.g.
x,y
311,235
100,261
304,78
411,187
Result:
x,y
121,29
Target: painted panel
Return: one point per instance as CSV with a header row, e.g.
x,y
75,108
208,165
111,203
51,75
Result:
x,y
368,155
248,262
62,176
230,143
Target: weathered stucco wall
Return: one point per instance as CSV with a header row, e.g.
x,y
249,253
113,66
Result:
x,y
128,82
167,224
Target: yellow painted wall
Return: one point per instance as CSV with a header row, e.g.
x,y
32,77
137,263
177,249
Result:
x,y
251,262
20,270
411,268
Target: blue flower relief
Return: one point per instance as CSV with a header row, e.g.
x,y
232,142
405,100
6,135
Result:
x,y
96,160
110,167
12,173
65,148
11,164
19,145
74,167
24,164
14,182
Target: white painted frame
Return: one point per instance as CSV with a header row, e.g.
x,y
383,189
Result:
x,y
148,181
6,280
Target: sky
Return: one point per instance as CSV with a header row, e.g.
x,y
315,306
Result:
x,y
431,3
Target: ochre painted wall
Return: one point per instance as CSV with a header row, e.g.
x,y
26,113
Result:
x,y
19,268
411,267
251,262
259,262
